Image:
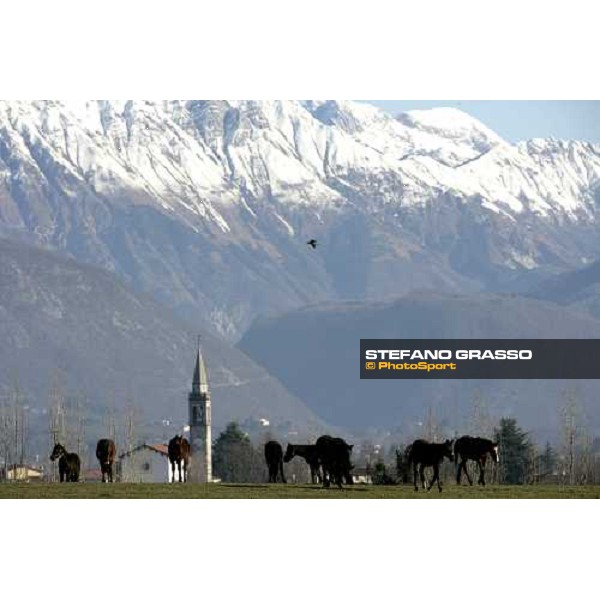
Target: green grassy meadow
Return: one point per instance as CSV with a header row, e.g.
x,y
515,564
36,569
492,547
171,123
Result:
x,y
280,491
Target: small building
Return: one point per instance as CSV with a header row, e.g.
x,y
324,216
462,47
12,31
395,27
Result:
x,y
148,463
24,473
362,475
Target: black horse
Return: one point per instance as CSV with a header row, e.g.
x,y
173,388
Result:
x,y
309,453
105,453
334,457
274,458
477,449
69,463
423,454
179,454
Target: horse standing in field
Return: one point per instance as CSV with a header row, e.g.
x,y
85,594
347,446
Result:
x,y
310,454
179,454
473,448
69,463
334,457
105,453
423,454
274,458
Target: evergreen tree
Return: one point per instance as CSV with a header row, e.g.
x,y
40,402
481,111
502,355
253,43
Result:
x,y
547,460
235,459
514,446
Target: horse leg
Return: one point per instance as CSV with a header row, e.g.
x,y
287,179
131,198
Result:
x,y
318,474
467,473
326,476
436,477
435,474
481,473
415,477
422,474
281,471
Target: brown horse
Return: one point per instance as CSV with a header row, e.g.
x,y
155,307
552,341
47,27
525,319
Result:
x,y
423,454
69,463
105,453
274,458
179,454
334,458
477,449
310,453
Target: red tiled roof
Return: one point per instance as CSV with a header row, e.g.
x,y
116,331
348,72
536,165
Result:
x,y
160,448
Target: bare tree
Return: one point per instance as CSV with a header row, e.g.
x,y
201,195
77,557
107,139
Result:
x,y
13,430
57,419
569,416
432,429
481,423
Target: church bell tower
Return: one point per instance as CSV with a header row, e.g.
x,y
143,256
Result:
x,y
200,424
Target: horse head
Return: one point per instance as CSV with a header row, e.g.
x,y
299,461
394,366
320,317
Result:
x,y
57,452
289,453
449,450
495,453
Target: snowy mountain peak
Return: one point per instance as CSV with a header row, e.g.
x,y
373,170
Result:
x,y
453,124
172,194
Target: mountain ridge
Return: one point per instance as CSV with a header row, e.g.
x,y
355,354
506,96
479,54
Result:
x,y
206,205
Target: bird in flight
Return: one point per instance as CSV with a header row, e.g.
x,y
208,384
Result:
x,y
312,243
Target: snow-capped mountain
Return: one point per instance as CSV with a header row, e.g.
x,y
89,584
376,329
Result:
x,y
207,205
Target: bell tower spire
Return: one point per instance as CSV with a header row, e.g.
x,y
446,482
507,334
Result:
x,y
200,380
199,405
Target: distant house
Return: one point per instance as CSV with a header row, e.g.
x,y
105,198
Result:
x,y
148,463
362,475
23,473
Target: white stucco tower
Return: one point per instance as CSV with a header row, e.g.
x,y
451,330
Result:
x,y
200,424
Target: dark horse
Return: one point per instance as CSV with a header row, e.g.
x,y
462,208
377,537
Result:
x,y
334,456
310,453
179,454
477,449
274,458
69,464
426,454
105,453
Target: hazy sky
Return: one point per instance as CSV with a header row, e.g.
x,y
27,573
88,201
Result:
x,y
518,120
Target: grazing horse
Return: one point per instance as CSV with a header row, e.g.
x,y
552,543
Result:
x,y
179,454
309,453
274,458
334,456
477,449
69,463
105,453
426,454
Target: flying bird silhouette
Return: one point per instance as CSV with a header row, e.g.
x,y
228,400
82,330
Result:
x,y
312,243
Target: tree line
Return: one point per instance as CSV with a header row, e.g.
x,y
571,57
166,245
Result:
x,y
573,460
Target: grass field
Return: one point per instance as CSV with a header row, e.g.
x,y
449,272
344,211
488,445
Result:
x,y
266,491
